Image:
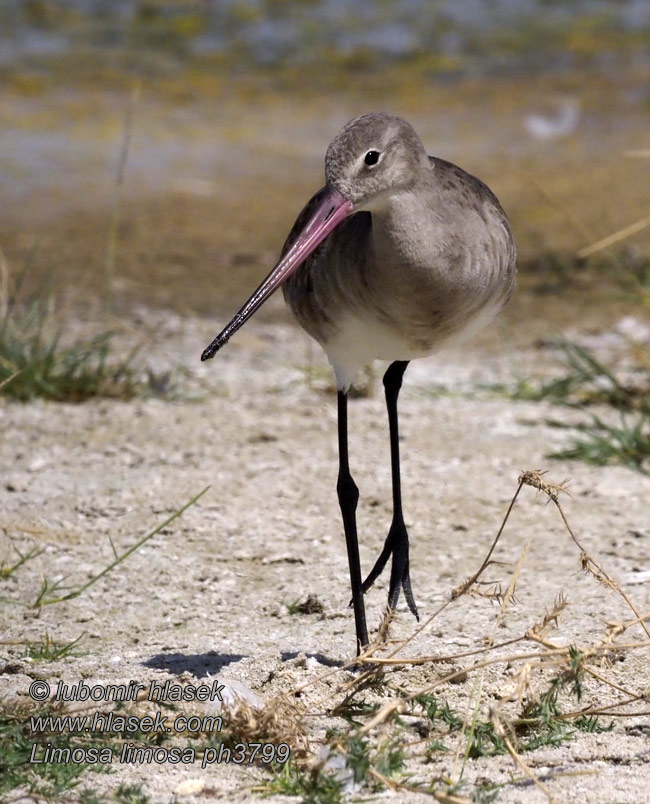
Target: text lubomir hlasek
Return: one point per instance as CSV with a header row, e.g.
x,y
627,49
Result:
x,y
157,691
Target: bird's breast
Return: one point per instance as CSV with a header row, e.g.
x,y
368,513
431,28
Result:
x,y
402,287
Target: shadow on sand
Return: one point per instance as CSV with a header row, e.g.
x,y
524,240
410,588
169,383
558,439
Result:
x,y
201,665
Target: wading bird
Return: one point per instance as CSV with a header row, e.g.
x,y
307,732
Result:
x,y
396,256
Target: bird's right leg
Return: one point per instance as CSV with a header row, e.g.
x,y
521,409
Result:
x,y
397,541
348,498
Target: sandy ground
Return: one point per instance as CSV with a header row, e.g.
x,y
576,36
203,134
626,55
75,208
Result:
x,y
208,597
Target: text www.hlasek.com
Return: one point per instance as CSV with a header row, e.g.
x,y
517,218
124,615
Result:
x,y
110,721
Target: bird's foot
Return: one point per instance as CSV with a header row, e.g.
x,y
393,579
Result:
x,y
397,545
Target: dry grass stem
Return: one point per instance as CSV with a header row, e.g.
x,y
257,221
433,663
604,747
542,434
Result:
x,y
387,712
467,585
535,478
548,621
589,564
615,237
279,721
384,628
500,730
599,677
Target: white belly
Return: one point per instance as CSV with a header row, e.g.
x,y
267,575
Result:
x,y
358,341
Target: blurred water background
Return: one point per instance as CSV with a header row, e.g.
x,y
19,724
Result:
x,y
199,126
454,37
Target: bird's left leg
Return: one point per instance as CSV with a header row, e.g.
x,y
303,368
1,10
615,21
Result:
x,y
397,541
348,494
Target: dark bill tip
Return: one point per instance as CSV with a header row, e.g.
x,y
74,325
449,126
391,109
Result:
x,y
211,350
222,338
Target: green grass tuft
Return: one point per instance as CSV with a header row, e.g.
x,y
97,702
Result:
x,y
587,382
35,363
47,650
312,786
47,780
600,443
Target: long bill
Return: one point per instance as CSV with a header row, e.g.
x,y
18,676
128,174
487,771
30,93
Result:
x,y
331,210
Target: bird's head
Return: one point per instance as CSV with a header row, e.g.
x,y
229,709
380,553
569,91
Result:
x,y
373,157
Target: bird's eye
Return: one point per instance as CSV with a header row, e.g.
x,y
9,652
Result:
x,y
371,158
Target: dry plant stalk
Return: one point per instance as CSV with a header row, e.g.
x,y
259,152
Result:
x,y
616,629
550,620
501,732
535,478
615,237
471,714
439,795
589,564
465,587
383,631
279,721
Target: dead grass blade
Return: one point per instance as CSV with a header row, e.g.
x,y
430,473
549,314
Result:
x,y
615,237
500,730
589,564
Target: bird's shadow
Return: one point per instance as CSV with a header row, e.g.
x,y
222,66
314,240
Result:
x,y
211,663
199,665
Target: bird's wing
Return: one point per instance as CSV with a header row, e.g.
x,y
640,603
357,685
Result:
x,y
313,289
449,172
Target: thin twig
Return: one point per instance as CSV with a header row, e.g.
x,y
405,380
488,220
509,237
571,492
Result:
x,y
464,587
536,480
615,237
501,732
111,250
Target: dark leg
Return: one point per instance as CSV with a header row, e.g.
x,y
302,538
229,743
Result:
x,y
397,541
348,499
